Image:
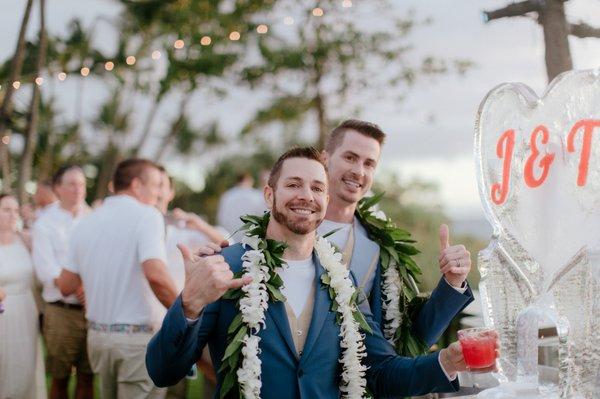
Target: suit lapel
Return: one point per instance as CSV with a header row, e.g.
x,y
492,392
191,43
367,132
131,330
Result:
x,y
279,316
320,309
364,254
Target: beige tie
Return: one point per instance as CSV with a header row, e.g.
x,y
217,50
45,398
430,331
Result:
x,y
348,248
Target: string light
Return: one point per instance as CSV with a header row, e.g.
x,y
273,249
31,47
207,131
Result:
x,y
62,76
235,35
39,80
130,60
85,71
109,65
179,44
347,3
16,84
262,29
6,140
288,21
156,55
317,12
205,41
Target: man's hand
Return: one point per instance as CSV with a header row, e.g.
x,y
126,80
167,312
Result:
x,y
2,295
80,295
206,280
211,248
453,361
455,260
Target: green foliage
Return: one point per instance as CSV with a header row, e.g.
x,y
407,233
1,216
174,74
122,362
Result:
x,y
396,251
273,254
334,55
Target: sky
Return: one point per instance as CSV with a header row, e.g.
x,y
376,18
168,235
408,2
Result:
x,y
430,134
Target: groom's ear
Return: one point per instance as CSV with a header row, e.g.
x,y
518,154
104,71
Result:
x,y
268,194
325,156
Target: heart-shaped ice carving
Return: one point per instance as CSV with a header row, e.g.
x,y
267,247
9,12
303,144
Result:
x,y
538,165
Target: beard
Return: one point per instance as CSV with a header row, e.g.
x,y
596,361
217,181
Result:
x,y
296,226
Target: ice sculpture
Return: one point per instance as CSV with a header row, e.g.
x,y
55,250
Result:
x,y
538,172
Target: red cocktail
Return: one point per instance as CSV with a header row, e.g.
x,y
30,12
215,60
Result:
x,y
479,347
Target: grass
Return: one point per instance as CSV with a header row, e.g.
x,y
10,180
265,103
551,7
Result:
x,y
194,389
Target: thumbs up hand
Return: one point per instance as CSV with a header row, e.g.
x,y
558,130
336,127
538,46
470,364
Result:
x,y
454,260
206,280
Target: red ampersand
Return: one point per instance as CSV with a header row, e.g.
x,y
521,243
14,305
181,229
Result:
x,y
544,163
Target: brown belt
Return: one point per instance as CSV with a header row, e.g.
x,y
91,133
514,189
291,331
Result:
x,y
65,305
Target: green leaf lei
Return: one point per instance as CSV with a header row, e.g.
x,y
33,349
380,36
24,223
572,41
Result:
x,y
273,253
396,247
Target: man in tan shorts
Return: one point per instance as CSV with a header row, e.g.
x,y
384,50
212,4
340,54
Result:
x,y
64,325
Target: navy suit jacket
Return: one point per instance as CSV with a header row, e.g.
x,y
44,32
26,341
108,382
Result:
x,y
435,315
315,374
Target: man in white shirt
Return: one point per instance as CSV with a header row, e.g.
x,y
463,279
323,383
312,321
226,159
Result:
x,y
64,324
118,253
240,200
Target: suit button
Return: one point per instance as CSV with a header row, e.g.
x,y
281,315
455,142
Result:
x,y
300,373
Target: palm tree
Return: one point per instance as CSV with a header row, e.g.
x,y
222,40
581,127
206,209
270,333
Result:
x,y
6,109
114,122
31,132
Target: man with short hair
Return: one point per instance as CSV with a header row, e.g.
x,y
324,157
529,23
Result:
x,y
352,151
300,352
118,254
64,325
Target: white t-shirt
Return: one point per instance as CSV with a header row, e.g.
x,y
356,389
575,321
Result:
x,y
107,251
298,277
50,241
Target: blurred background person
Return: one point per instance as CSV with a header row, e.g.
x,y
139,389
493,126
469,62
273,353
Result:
x,y
64,325
42,198
118,254
190,229
21,359
242,199
182,228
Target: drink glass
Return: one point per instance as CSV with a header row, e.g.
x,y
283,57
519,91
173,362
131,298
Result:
x,y
479,348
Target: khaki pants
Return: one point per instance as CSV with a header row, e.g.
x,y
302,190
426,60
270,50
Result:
x,y
119,359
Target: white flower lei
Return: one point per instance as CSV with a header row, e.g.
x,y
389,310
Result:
x,y
254,304
252,307
391,287
353,371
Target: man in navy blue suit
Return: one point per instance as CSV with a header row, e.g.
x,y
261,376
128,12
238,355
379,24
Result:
x,y
352,152
300,344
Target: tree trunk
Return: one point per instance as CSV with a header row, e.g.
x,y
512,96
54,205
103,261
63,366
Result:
x,y
175,128
111,158
7,107
31,133
147,126
556,37
322,121
46,164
